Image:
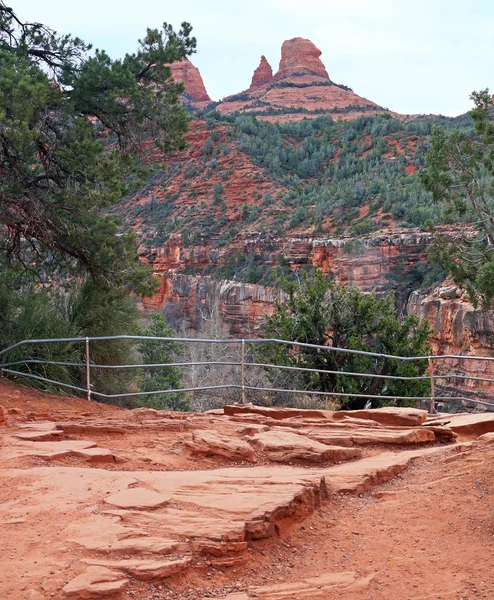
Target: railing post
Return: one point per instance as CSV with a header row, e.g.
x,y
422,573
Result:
x,y
432,408
242,372
88,371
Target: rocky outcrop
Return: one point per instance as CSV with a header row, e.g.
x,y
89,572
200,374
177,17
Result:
x,y
390,415
212,442
299,54
301,88
185,72
458,328
185,301
285,446
262,74
95,582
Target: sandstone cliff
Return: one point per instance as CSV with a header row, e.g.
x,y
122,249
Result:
x,y
368,262
460,329
195,91
299,54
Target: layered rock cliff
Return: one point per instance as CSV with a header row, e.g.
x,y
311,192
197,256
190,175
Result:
x,y
368,262
458,329
301,88
195,91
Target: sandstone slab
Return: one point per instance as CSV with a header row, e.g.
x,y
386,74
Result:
x,y
325,586
213,442
472,425
286,446
95,582
40,436
376,436
278,412
148,570
389,415
96,455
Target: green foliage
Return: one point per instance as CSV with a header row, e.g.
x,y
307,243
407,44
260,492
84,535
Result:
x,y
30,312
70,126
318,311
460,176
161,378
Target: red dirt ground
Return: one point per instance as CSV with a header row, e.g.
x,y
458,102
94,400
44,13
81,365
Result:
x,y
421,529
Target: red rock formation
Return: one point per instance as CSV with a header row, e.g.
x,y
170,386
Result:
x,y
300,89
458,328
299,54
185,72
262,74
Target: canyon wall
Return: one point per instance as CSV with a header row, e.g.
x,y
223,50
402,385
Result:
x,y
460,329
370,263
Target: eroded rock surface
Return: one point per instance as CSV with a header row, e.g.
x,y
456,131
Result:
x,y
212,442
185,72
95,582
285,446
389,415
262,74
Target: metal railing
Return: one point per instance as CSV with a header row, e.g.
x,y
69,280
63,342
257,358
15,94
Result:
x,y
242,364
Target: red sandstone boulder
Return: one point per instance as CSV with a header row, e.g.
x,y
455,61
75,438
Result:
x,y
3,416
96,582
277,413
185,72
262,74
148,570
212,442
471,425
285,446
377,436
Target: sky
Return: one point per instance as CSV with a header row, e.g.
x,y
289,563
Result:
x,y
425,56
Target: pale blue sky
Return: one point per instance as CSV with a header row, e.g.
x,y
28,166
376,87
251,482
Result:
x,y
421,56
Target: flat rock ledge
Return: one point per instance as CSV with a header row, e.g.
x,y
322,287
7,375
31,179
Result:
x,y
286,446
212,442
96,582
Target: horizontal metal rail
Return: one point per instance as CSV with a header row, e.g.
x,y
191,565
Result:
x,y
248,341
33,376
247,364
169,391
373,375
432,377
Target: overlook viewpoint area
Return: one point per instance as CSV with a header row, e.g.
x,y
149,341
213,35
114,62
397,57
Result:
x,y
246,343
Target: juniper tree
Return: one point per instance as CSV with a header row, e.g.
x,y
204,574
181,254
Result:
x,y
320,312
72,123
460,175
